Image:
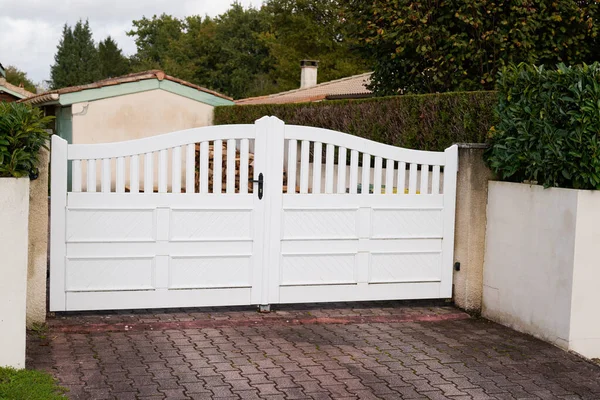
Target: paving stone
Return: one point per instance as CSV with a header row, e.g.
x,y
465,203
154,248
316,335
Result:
x,y
372,350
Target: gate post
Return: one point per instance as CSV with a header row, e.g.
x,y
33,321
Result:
x,y
58,205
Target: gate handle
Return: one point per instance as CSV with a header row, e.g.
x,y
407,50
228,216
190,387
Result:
x,y
260,182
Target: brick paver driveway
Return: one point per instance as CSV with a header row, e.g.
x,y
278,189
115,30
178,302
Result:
x,y
388,350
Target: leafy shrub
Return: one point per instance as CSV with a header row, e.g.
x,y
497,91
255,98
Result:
x,y
22,135
549,122
425,122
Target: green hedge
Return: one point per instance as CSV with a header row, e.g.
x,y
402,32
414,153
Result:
x,y
424,122
549,125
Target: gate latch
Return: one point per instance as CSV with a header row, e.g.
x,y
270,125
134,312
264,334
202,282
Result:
x,y
260,182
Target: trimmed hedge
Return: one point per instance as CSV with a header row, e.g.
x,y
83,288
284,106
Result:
x,y
549,125
424,122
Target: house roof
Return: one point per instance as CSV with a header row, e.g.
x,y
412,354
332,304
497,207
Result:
x,y
127,84
351,86
14,90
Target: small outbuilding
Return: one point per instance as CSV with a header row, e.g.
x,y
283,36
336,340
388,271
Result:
x,y
129,107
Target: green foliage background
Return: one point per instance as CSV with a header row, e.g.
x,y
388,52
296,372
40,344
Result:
x,y
424,122
431,46
549,120
22,135
18,78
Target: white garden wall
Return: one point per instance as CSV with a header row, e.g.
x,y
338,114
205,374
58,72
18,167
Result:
x,y
541,271
14,215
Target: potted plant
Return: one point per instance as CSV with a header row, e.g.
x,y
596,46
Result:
x,y
541,269
22,135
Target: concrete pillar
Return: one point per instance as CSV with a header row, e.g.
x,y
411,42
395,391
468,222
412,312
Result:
x,y
469,236
14,215
38,243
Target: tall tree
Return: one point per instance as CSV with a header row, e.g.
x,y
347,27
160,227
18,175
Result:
x,y
444,45
19,78
153,38
76,59
112,61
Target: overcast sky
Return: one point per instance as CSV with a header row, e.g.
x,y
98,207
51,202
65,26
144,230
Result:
x,y
31,29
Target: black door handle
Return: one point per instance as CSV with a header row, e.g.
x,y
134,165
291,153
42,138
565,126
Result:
x,y
260,182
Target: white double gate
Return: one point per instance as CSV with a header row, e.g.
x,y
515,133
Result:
x,y
147,224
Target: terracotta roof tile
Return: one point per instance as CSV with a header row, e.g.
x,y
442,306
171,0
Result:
x,y
14,88
134,77
352,85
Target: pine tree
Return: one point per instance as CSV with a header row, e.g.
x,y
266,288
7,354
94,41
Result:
x,y
76,60
112,61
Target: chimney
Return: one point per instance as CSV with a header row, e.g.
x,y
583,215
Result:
x,y
308,74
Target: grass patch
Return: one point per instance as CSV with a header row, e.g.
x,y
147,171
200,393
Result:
x,y
25,384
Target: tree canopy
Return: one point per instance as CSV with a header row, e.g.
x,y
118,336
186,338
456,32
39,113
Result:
x,y
19,78
443,45
112,61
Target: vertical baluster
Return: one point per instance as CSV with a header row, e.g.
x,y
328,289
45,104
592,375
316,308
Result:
x,y
231,166
435,180
424,186
120,183
366,174
176,170
190,168
354,171
292,160
162,171
317,160
304,161
106,176
149,173
329,159
377,175
341,181
218,166
389,176
91,176
244,163
401,185
203,167
76,176
412,179
134,174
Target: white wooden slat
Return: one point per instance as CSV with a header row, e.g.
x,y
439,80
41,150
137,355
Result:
x,y
304,163
329,160
134,174
341,181
317,161
106,176
412,179
389,176
354,171
91,176
435,180
401,185
231,166
176,170
120,182
424,185
450,170
190,168
76,176
366,173
291,169
162,170
58,209
244,164
217,166
364,145
149,173
377,175
159,142
203,167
